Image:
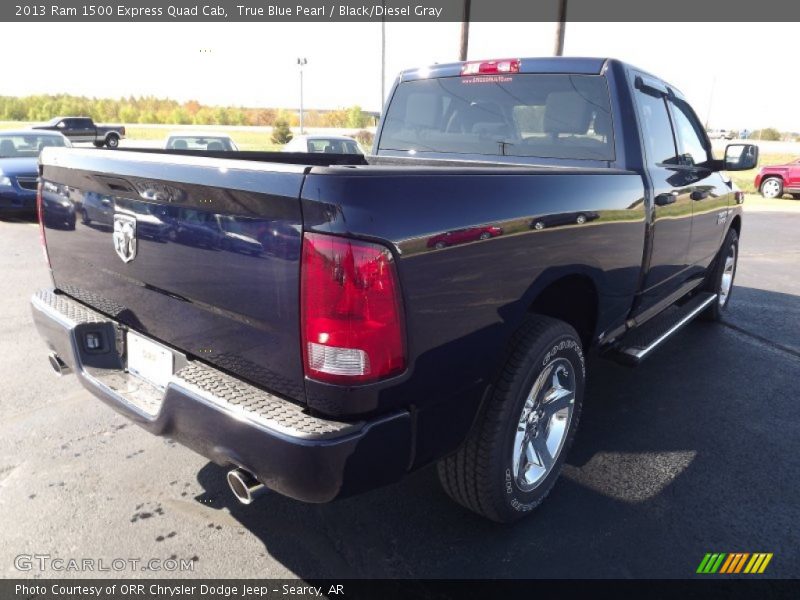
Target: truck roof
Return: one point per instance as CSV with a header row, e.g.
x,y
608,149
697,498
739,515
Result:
x,y
550,64
543,64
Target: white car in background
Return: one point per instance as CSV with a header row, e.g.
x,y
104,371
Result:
x,y
337,144
200,141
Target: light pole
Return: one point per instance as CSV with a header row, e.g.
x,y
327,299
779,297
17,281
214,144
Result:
x,y
558,49
383,54
301,62
463,45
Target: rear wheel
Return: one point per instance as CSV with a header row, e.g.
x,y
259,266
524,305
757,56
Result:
x,y
485,235
112,141
796,196
99,144
720,278
581,219
514,453
772,187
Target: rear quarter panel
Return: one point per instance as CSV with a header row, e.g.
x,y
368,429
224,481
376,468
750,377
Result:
x,y
464,302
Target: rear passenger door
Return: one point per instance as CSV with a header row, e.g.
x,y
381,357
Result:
x,y
708,191
671,227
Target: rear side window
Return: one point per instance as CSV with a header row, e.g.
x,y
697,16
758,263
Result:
x,y
548,116
656,128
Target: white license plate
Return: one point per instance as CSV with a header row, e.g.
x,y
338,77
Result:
x,y
149,360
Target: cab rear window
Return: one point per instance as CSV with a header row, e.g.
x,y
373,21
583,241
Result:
x,y
539,115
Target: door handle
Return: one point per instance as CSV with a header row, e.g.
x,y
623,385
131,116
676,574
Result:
x,y
666,198
698,195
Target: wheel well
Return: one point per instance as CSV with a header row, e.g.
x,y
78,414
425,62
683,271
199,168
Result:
x,y
572,299
112,134
771,176
736,225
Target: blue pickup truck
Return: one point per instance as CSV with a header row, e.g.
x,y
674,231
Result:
x,y
584,211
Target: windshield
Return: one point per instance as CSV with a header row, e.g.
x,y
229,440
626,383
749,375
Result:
x,y
16,145
192,142
548,116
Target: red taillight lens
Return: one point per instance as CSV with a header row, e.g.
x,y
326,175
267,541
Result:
x,y
40,216
491,67
352,323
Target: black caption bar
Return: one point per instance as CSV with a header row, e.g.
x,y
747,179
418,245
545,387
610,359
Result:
x,y
387,589
402,10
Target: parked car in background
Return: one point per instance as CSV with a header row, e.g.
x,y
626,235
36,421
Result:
x,y
335,144
200,141
721,134
19,167
773,181
83,129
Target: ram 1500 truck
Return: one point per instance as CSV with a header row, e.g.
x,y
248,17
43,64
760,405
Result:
x,y
433,301
83,129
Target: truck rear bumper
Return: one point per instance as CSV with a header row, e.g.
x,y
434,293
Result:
x,y
225,419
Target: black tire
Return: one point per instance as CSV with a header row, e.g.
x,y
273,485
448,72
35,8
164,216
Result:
x,y
485,235
771,187
580,219
480,474
714,279
796,196
440,245
99,144
112,141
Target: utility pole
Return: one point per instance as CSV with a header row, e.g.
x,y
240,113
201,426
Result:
x,y
464,45
383,55
558,50
301,62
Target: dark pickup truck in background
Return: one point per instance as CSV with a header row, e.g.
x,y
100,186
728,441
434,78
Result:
x,y
358,344
84,130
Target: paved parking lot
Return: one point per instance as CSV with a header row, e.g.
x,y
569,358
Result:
x,y
695,451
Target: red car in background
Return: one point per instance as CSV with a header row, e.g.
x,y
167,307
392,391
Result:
x,y
775,180
462,236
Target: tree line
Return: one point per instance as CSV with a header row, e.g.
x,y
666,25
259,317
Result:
x,y
151,110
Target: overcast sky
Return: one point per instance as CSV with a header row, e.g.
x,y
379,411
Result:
x,y
733,73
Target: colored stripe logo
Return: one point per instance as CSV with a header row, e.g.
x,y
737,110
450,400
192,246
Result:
x,y
734,562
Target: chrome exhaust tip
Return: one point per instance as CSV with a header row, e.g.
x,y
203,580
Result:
x,y
59,366
245,486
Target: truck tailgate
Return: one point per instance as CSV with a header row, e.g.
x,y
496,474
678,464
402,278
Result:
x,y
201,254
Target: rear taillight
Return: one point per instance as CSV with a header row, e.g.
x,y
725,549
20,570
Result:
x,y
491,67
40,216
351,311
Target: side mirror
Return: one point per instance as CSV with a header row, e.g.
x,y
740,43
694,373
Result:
x,y
740,157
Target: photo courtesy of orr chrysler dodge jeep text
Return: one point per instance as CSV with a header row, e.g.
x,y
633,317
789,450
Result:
x,y
431,302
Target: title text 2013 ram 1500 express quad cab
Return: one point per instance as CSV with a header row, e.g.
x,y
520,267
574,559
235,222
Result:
x,y
288,316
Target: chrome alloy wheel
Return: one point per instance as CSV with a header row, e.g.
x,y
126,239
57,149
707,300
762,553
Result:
x,y
726,282
543,424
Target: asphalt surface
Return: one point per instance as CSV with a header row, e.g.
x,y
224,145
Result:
x,y
695,451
